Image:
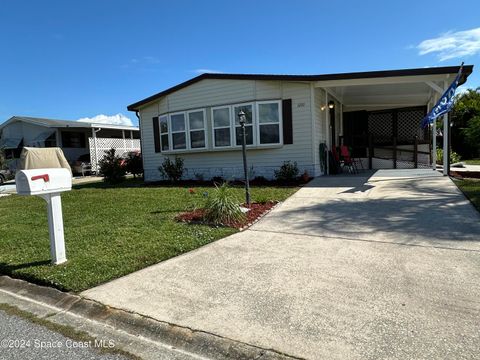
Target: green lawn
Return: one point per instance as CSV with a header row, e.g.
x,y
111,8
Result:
x,y
472,161
109,232
471,188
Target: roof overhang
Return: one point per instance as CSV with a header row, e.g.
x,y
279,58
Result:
x,y
388,92
329,80
62,124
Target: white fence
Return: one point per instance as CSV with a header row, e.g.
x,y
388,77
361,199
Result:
x,y
98,146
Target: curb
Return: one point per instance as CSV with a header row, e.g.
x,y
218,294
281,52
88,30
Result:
x,y
198,342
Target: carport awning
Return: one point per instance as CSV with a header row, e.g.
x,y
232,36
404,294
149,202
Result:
x,y
10,143
39,140
388,92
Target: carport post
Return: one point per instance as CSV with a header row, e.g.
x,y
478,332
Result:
x,y
434,145
446,155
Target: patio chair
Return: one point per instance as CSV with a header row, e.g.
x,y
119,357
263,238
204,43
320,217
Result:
x,y
347,159
336,159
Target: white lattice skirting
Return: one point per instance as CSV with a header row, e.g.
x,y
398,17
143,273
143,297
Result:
x,y
98,146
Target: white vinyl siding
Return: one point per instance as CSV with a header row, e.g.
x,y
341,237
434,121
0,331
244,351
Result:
x,y
227,162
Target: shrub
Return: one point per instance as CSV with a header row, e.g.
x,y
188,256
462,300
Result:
x,y
134,164
3,161
260,180
454,157
111,168
172,170
199,176
222,206
288,172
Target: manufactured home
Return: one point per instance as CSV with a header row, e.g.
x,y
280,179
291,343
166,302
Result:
x,y
78,140
376,114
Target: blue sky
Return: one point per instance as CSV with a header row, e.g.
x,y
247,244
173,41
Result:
x,y
79,59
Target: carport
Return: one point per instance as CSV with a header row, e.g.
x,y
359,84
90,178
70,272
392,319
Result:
x,y
378,114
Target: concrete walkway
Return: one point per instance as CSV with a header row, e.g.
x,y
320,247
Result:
x,y
344,269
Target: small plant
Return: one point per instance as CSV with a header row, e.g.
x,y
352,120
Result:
x,y
111,168
287,173
172,170
218,180
454,157
222,206
134,164
199,177
305,176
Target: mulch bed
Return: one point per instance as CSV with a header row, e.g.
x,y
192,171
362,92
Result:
x,y
465,174
257,210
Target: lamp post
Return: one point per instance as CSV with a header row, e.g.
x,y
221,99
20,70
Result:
x,y
242,119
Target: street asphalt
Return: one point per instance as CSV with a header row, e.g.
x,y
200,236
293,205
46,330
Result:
x,y
23,340
349,267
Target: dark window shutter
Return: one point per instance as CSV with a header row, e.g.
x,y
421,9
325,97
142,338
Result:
x,y
287,121
156,134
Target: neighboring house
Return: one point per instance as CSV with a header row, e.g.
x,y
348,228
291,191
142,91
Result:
x,y
75,138
291,117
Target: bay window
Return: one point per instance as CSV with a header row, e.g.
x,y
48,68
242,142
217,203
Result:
x,y
164,133
248,110
221,126
268,122
187,130
179,131
196,126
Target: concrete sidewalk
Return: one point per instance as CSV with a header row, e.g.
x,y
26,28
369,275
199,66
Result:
x,y
344,269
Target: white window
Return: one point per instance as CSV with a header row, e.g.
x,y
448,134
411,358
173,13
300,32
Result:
x,y
164,133
221,127
249,136
269,122
178,131
197,130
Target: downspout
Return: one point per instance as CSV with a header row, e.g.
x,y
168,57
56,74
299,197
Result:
x,y
137,114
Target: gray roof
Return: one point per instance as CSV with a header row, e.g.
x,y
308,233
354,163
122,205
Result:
x,y
55,123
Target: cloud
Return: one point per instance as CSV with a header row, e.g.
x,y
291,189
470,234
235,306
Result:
x,y
141,62
118,119
211,71
452,44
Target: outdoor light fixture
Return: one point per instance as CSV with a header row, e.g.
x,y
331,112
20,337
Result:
x,y
331,104
242,119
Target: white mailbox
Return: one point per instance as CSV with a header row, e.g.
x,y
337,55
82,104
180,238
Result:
x,y
43,181
48,184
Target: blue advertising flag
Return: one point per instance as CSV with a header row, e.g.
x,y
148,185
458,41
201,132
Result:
x,y
445,103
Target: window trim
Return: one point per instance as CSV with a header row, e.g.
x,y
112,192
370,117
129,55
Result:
x,y
254,128
164,133
209,128
171,132
279,123
204,112
229,107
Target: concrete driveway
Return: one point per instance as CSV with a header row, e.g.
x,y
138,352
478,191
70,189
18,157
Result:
x,y
344,269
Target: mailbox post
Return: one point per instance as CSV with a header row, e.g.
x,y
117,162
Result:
x,y
48,184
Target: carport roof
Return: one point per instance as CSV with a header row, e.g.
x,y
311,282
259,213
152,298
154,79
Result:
x,y
53,123
467,70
